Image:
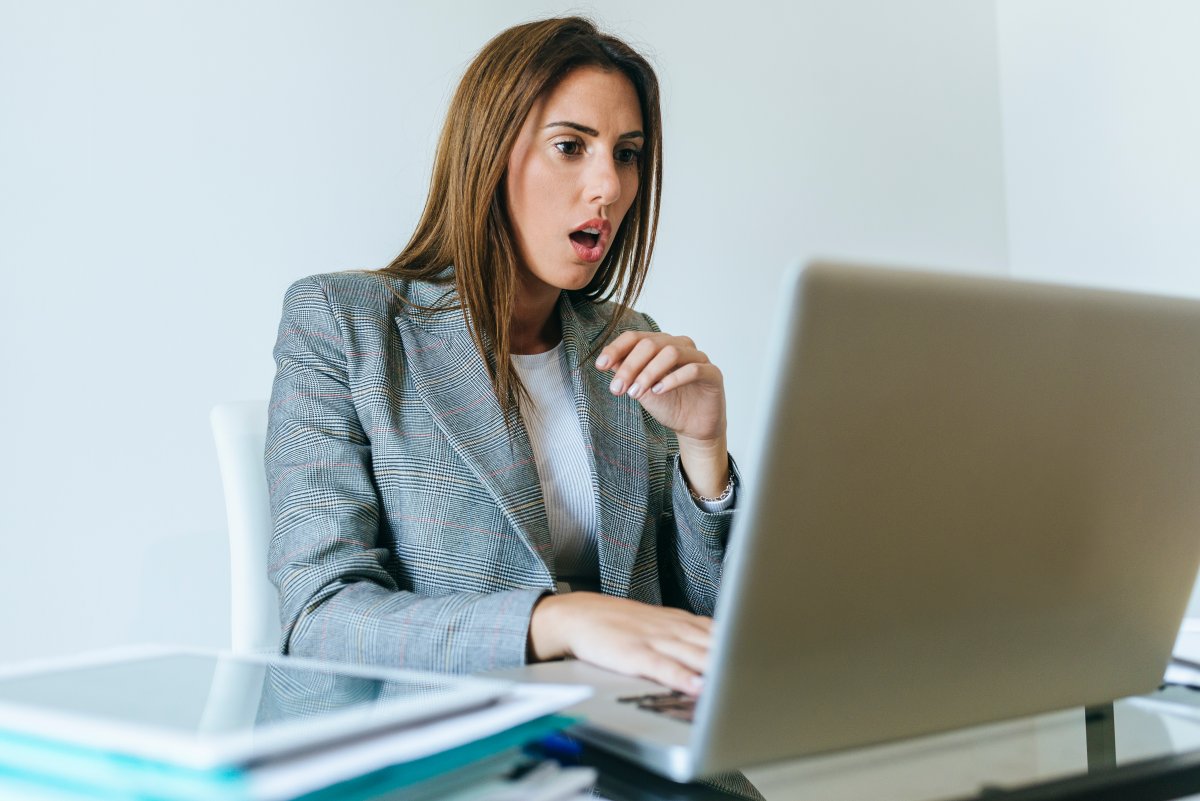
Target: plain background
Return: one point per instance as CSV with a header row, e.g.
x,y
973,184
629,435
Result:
x,y
167,169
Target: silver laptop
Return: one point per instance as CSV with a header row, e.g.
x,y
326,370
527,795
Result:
x,y
968,499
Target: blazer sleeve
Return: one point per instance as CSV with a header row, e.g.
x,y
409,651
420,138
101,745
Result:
x,y
337,599
692,544
691,540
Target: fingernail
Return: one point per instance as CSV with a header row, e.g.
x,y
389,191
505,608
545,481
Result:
x,y
616,386
633,390
657,388
602,362
696,683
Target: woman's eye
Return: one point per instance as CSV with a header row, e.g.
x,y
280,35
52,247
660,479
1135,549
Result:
x,y
569,147
629,155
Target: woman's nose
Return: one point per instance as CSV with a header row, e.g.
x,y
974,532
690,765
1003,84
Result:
x,y
604,184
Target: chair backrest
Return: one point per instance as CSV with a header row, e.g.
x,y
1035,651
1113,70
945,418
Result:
x,y
240,430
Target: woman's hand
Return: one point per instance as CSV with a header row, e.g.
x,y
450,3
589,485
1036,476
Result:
x,y
677,384
671,378
669,646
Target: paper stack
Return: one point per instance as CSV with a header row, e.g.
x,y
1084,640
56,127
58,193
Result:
x,y
185,725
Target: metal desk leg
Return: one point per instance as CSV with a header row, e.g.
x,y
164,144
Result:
x,y
1100,727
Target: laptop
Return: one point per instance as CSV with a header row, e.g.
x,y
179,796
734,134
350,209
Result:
x,y
968,499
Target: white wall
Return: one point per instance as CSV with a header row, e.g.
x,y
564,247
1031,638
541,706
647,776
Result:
x,y
166,169
863,128
1101,125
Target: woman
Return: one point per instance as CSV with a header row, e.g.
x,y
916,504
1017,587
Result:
x,y
459,439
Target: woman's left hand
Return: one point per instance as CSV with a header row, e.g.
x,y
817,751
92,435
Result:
x,y
672,379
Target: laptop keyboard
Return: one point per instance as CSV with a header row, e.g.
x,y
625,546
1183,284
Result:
x,y
673,704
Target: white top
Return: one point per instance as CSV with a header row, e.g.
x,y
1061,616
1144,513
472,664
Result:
x,y
564,467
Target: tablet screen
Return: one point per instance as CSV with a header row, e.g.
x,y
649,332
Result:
x,y
225,704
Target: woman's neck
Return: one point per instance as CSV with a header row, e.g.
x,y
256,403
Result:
x,y
535,326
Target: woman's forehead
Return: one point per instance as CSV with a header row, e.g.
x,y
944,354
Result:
x,y
604,100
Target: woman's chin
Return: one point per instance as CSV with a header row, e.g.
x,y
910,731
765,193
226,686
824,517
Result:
x,y
570,275
576,276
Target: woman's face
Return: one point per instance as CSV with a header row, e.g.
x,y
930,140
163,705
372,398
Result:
x,y
572,175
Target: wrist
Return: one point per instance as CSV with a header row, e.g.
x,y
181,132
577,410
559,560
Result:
x,y
547,640
715,503
705,466
711,447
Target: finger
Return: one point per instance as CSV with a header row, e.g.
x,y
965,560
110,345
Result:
x,y
695,629
669,357
670,673
633,364
690,373
695,635
682,614
612,354
691,656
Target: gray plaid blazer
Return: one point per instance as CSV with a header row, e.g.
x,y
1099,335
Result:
x,y
409,527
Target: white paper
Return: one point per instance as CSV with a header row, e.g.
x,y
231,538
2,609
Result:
x,y
288,778
1187,644
1182,673
1185,656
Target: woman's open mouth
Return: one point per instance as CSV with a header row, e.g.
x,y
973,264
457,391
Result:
x,y
590,238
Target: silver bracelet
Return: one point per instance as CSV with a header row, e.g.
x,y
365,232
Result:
x,y
724,496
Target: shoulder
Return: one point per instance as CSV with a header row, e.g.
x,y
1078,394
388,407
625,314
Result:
x,y
358,289
366,293
595,317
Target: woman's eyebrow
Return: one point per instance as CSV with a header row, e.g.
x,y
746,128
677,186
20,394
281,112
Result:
x,y
592,131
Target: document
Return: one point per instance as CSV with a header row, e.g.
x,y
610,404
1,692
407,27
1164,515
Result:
x,y
292,777
1185,656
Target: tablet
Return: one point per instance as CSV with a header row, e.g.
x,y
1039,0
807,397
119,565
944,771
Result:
x,y
205,709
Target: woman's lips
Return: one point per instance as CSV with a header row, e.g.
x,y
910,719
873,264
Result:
x,y
590,239
588,247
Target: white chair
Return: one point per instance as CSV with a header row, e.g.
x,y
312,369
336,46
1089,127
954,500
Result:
x,y
240,430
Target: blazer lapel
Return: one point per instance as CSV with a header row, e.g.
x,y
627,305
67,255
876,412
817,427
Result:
x,y
615,431
451,377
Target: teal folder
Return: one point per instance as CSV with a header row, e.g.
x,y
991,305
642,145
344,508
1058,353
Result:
x,y
42,769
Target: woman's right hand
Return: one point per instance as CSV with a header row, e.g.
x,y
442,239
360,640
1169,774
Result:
x,y
669,646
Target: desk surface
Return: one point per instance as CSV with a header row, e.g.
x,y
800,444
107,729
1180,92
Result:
x,y
1144,748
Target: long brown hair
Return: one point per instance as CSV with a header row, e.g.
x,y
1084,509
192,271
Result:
x,y
465,222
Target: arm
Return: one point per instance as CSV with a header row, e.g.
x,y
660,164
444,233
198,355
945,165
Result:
x,y
668,645
682,395
694,541
338,600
